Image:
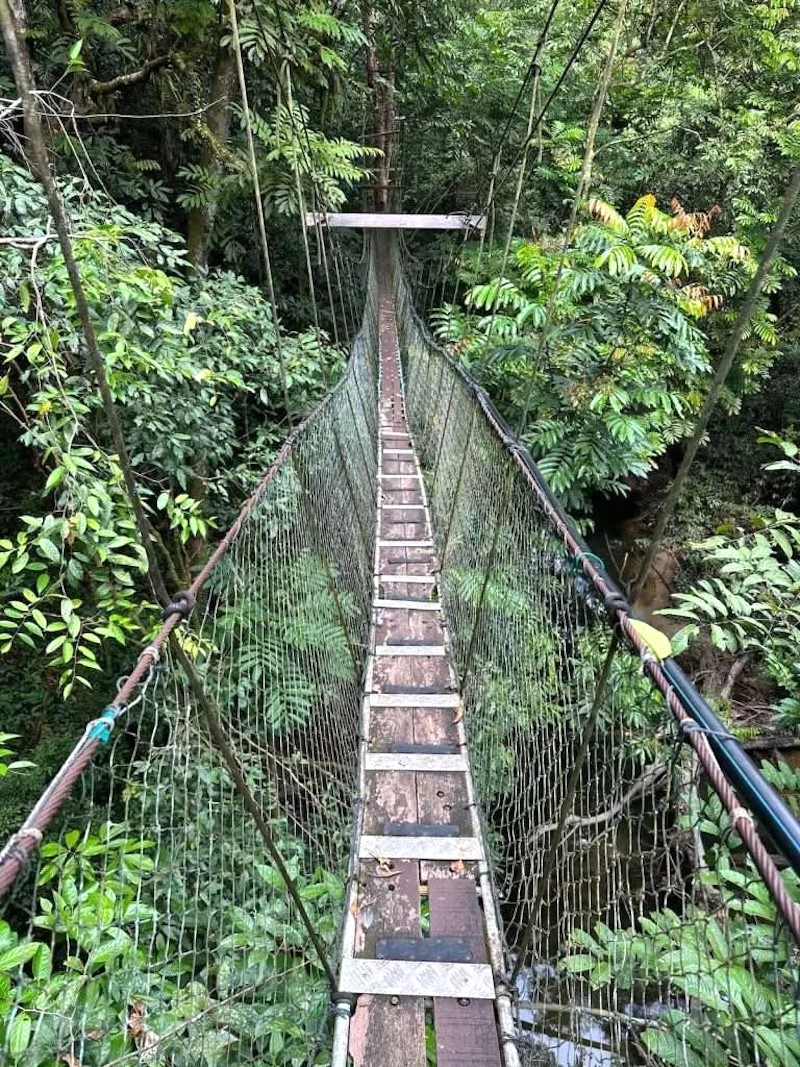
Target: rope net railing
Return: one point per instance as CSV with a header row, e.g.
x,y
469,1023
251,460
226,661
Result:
x,y
646,918
174,914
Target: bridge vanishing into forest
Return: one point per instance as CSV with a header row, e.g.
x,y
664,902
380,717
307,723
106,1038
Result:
x,y
403,780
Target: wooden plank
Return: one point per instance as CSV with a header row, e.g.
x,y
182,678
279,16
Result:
x,y
389,797
409,674
388,906
389,726
442,798
435,726
387,1030
466,1028
367,220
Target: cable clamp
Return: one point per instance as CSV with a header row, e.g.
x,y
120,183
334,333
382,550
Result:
x,y
615,603
100,729
33,832
14,848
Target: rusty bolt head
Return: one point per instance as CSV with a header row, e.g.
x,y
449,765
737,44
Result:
x,y
394,1001
464,1002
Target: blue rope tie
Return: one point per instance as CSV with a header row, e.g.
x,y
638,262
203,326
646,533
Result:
x,y
100,729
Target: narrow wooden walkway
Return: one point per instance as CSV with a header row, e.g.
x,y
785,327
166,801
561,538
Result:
x,y
417,940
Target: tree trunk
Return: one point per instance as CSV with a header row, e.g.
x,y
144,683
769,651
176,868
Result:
x,y
381,92
200,224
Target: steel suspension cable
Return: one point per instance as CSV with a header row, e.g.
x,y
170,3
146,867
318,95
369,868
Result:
x,y
576,51
262,226
533,70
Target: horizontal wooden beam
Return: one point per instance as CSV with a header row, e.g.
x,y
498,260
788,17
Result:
x,y
386,221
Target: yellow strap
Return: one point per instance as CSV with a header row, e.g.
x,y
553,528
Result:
x,y
657,642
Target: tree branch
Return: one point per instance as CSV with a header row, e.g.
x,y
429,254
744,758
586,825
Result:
x,y
651,776
97,88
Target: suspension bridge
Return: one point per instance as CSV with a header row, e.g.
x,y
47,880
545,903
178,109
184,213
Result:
x,y
403,780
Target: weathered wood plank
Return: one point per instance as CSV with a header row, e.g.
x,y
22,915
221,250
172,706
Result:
x,y
394,625
442,798
389,726
435,726
388,905
430,674
388,1030
466,1028
390,797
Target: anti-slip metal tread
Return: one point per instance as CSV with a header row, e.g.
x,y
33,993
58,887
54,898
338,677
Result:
x,y
401,978
414,761
420,848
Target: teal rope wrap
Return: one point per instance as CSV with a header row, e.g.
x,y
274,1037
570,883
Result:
x,y
100,729
581,556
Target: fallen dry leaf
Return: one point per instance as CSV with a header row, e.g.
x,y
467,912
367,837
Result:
x,y
385,865
71,1060
459,715
457,867
145,1039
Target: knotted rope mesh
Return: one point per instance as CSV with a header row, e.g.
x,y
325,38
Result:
x,y
161,929
637,926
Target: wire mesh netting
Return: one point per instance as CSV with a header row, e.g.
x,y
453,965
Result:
x,y
637,926
159,926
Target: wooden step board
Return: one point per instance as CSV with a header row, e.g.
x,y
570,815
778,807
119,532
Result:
x,y
417,954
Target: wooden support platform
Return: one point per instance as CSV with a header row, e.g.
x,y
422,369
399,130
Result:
x,y
386,221
416,950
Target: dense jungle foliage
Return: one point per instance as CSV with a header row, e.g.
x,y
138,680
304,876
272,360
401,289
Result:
x,y
412,105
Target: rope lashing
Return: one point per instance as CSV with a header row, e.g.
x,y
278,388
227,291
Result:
x,y
182,604
689,726
14,849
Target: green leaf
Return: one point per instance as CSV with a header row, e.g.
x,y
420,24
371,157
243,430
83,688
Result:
x,y
19,1035
48,549
13,958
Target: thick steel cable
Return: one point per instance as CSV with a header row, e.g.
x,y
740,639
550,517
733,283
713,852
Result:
x,y
308,152
532,69
578,47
